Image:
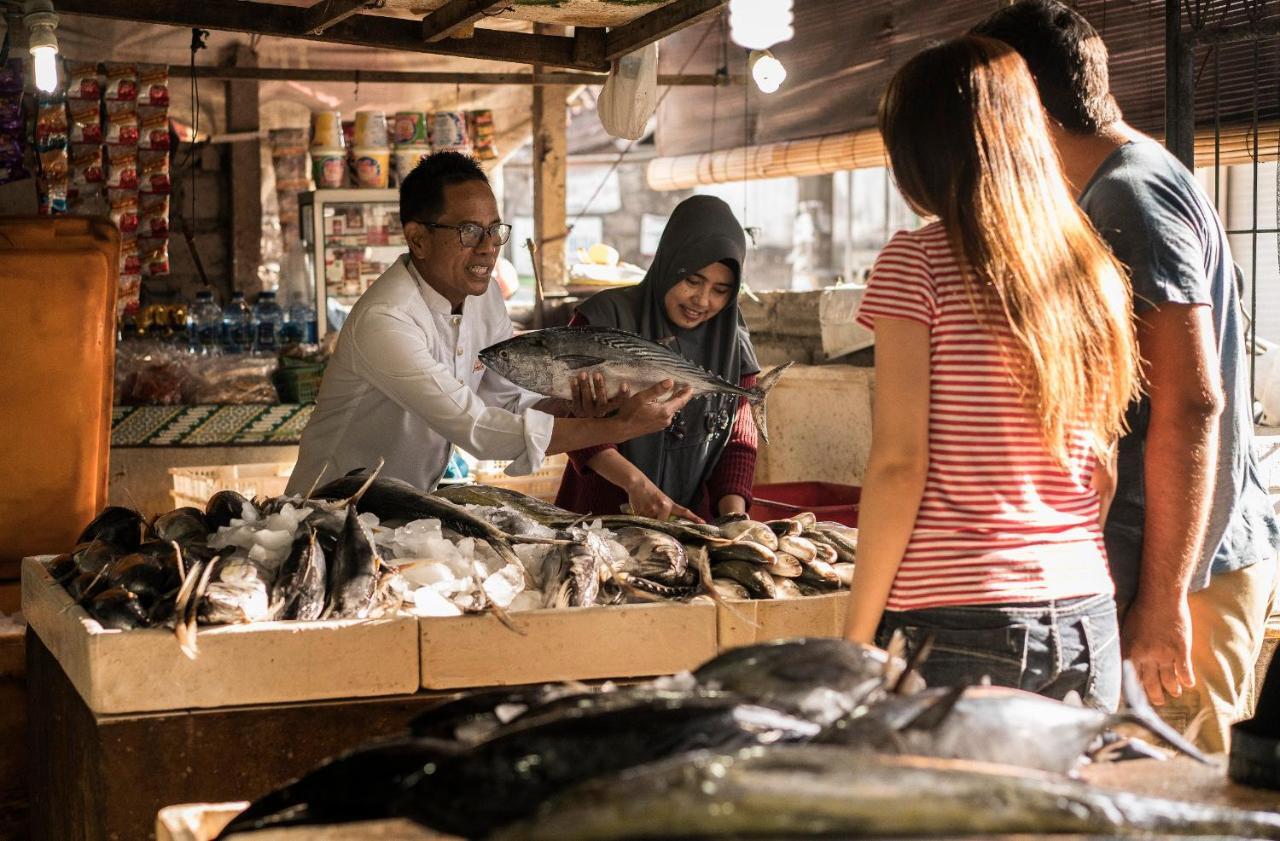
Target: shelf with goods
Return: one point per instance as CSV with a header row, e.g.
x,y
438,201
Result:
x,y
351,237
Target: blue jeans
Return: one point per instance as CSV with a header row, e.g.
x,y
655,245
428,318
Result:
x,y
1046,647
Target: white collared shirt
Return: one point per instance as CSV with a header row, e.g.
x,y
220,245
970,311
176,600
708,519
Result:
x,y
405,384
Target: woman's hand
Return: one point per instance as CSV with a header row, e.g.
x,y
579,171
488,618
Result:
x,y
647,500
590,396
732,504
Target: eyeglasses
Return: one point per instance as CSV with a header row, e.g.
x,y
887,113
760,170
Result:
x,y
469,233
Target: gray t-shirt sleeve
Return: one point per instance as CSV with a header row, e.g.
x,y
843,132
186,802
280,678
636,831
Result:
x,y
1155,235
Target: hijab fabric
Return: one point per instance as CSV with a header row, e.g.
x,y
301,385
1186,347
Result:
x,y
702,230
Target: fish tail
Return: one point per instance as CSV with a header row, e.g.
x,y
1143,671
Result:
x,y
1140,712
758,393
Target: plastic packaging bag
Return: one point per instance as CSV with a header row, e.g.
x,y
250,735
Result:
x,y
630,94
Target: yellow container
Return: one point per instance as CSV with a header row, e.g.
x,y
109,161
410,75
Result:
x,y
371,128
406,158
410,128
326,130
372,165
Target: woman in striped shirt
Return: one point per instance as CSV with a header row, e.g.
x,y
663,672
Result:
x,y
1004,360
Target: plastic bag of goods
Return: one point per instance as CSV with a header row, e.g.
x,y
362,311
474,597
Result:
x,y
630,94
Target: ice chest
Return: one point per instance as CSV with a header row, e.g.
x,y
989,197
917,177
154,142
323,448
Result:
x,y
748,621
585,643
827,500
258,663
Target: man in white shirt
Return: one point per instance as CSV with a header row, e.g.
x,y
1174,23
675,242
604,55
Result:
x,y
405,383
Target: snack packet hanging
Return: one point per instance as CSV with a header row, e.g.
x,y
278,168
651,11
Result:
x,y
153,84
85,123
155,256
83,81
153,171
121,82
122,167
153,127
122,123
123,207
153,215
86,165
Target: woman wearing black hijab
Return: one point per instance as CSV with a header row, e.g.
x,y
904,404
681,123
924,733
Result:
x,y
702,465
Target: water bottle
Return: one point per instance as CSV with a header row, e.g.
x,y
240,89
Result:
x,y
207,318
237,325
268,319
295,322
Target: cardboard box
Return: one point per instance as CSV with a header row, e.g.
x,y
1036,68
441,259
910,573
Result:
x,y
264,662
752,621
586,643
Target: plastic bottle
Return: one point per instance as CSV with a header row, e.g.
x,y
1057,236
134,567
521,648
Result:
x,y
207,318
237,325
294,329
268,319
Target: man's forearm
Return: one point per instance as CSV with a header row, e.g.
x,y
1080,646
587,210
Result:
x,y
570,434
1180,466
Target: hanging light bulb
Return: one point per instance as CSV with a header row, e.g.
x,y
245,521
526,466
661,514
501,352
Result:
x,y
759,24
43,44
768,72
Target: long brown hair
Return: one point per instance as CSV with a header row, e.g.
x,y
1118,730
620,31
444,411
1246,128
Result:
x,y
968,143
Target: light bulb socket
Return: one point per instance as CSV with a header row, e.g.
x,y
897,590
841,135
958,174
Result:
x,y
40,27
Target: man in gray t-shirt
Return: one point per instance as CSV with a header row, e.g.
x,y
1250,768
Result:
x,y
1190,534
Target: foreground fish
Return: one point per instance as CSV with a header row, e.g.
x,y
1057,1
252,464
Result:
x,y
820,678
811,791
511,773
352,572
546,361
998,724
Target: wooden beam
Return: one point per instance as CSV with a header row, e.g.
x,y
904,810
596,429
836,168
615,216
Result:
x,y
589,44
413,77
376,31
452,16
550,171
657,25
325,13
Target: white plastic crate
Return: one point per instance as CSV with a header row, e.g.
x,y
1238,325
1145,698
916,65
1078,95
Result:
x,y
543,483
194,485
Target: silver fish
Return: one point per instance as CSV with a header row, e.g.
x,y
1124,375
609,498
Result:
x,y
546,361
791,791
656,555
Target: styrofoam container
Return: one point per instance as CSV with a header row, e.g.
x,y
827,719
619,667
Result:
x,y
371,128
326,130
449,130
410,129
329,168
372,166
405,158
144,670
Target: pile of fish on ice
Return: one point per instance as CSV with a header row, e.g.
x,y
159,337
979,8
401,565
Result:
x,y
364,546
786,739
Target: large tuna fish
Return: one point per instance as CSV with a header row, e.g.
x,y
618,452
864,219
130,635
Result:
x,y
546,361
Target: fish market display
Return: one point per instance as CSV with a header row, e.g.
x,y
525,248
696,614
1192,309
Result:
x,y
546,361
364,546
754,743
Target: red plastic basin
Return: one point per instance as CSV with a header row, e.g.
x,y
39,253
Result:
x,y
828,500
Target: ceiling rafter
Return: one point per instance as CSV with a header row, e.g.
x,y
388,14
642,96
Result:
x,y
454,15
376,31
325,13
657,25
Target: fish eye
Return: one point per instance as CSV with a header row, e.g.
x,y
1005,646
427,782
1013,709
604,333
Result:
x,y
502,354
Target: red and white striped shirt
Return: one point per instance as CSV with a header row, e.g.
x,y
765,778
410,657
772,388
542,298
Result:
x,y
1000,520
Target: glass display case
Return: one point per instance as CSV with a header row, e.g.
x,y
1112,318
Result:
x,y
351,237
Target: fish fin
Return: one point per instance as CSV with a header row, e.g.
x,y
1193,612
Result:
x,y
324,468
575,361
936,712
914,662
668,342
355,497
700,559
1197,724
1140,712
757,395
